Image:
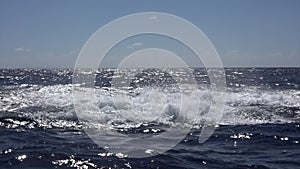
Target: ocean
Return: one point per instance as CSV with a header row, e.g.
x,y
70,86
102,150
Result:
x,y
260,126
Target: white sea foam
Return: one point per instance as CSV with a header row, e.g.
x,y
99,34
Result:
x,y
53,106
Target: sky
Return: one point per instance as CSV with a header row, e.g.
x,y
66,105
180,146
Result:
x,y
248,33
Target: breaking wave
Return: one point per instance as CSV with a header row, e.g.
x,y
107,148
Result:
x,y
33,106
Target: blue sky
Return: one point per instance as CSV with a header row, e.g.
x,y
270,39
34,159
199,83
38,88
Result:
x,y
245,33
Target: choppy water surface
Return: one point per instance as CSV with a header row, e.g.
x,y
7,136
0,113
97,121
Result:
x,y
260,127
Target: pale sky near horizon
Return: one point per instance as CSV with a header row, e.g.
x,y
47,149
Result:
x,y
248,33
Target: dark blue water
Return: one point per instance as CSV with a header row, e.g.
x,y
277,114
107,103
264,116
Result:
x,y
260,127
